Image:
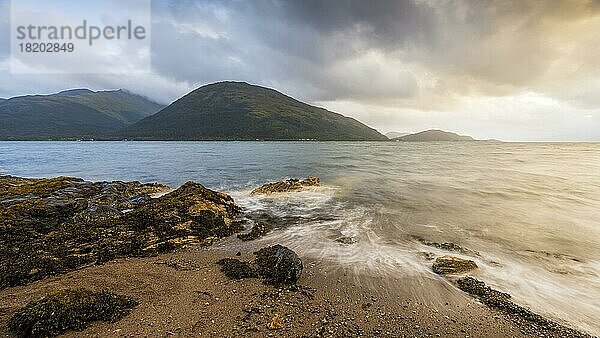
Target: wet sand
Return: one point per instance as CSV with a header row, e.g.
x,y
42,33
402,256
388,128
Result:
x,y
185,294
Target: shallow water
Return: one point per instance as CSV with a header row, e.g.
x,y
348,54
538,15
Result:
x,y
530,210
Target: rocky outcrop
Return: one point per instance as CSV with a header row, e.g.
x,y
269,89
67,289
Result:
x,y
287,186
276,264
452,265
51,226
68,310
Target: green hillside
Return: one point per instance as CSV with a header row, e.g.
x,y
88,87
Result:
x,y
77,113
240,111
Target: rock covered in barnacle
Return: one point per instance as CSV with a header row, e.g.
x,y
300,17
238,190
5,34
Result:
x,y
191,210
452,265
287,185
276,264
68,310
52,226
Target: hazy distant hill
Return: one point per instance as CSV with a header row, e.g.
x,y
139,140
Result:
x,y
434,135
395,134
76,113
240,111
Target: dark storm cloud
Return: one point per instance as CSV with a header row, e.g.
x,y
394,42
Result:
x,y
495,66
383,24
316,47
297,44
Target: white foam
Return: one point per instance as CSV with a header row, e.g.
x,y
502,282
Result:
x,y
326,216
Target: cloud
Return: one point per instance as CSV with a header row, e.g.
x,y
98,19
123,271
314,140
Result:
x,y
466,65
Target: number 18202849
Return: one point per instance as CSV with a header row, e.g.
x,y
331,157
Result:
x,y
46,47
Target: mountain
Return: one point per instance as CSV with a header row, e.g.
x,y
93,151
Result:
x,y
433,135
240,111
395,134
75,113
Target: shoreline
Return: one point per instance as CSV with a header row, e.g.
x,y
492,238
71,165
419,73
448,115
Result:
x,y
168,265
183,292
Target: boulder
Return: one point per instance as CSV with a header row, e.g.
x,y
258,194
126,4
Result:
x,y
290,185
278,264
452,265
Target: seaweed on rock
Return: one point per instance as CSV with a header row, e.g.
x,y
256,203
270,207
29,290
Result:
x,y
68,310
290,185
52,226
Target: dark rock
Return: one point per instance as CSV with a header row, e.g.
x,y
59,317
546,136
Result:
x,y
278,264
524,317
257,231
272,220
452,265
448,246
287,185
52,226
346,240
68,310
236,269
479,289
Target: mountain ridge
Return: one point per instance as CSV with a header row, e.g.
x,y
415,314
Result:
x,y
71,114
233,110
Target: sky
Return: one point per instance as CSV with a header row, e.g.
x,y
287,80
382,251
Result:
x,y
511,70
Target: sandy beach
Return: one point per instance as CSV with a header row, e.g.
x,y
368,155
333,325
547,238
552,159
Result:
x,y
155,267
185,294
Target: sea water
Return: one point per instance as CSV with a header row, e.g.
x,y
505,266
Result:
x,y
529,212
